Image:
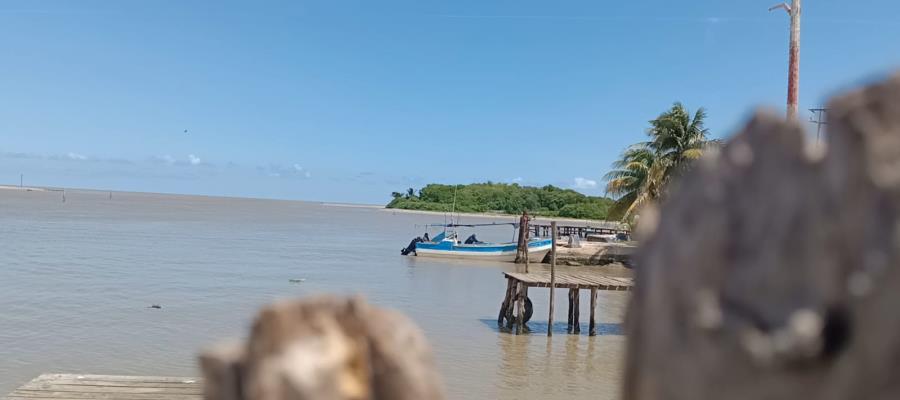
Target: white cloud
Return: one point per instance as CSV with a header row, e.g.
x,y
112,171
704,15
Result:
x,y
194,159
307,174
76,156
518,179
583,183
298,168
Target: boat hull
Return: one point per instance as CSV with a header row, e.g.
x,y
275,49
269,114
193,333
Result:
x,y
493,252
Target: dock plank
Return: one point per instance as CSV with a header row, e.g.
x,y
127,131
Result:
x,y
108,387
584,279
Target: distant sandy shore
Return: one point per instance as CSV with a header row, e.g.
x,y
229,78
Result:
x,y
25,188
585,222
351,205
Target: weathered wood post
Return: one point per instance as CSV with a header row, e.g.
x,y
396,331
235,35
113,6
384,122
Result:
x,y
520,307
527,238
772,269
592,325
322,348
571,314
552,275
522,245
576,310
504,307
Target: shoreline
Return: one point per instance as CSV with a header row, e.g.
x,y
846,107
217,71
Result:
x,y
510,217
585,222
23,188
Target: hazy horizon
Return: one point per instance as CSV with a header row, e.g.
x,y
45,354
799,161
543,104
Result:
x,y
344,102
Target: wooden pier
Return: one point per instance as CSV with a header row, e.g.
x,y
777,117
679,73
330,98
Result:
x,y
108,387
582,231
517,284
513,308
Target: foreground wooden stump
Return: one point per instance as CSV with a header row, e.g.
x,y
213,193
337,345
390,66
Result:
x,y
324,348
773,270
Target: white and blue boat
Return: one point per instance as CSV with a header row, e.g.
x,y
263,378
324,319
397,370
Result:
x,y
446,244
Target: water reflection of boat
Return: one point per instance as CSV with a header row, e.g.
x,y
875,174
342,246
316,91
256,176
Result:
x,y
447,244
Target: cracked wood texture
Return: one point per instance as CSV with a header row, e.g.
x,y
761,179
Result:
x,y
324,348
773,269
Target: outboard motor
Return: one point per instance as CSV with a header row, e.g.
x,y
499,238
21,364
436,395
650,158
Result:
x,y
412,247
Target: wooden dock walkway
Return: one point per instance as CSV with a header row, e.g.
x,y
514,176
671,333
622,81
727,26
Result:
x,y
589,278
585,279
108,387
581,230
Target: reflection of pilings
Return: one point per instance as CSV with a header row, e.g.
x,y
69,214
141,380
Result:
x,y
514,364
572,351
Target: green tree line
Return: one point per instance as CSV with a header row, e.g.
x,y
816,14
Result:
x,y
549,200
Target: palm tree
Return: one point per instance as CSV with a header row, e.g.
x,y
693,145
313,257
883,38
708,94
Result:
x,y
629,180
641,175
677,139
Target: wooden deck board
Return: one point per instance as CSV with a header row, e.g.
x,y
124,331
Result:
x,y
581,279
108,387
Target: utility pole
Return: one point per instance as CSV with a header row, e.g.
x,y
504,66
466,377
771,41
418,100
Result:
x,y
793,95
21,179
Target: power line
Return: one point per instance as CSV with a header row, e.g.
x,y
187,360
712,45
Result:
x,y
819,117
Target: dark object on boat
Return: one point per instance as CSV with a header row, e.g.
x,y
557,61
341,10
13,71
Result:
x,y
473,240
425,237
156,306
412,247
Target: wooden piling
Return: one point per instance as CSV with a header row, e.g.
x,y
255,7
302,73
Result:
x,y
552,275
522,246
576,309
525,244
520,308
504,307
520,282
592,325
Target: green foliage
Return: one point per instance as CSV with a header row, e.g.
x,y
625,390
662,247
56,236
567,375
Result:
x,y
646,168
505,198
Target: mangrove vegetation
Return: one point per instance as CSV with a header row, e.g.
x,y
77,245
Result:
x,y
506,198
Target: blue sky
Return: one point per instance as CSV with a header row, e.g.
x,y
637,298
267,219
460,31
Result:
x,y
348,101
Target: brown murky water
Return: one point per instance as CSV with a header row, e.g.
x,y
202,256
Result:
x,y
77,279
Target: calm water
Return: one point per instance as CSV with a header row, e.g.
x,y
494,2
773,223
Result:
x,y
76,280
